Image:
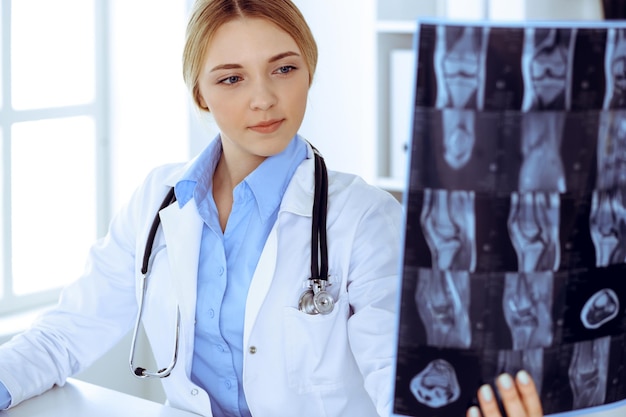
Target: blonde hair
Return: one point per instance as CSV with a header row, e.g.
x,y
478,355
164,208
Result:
x,y
208,16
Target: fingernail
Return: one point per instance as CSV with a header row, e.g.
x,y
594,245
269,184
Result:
x,y
523,377
473,412
505,381
486,393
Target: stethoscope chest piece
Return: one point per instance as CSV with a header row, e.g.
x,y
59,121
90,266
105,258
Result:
x,y
315,299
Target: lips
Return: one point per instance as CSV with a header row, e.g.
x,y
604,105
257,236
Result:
x,y
268,126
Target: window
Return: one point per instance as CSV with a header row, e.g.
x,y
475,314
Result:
x,y
53,144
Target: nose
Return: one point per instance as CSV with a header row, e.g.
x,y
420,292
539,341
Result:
x,y
263,96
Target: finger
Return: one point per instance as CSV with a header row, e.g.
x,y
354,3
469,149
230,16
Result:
x,y
488,403
473,411
510,398
528,392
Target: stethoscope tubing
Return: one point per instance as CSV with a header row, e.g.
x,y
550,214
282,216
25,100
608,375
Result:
x,y
140,372
319,270
319,263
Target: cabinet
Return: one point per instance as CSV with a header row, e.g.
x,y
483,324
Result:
x,y
394,78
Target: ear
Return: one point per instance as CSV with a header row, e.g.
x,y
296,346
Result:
x,y
200,101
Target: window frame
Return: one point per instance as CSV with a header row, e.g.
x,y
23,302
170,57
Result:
x,y
97,109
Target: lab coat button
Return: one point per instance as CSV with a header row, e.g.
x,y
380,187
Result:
x,y
252,350
194,392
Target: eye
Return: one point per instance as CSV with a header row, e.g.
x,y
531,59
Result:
x,y
285,69
233,79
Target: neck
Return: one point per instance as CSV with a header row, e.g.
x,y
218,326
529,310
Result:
x,y
231,171
225,178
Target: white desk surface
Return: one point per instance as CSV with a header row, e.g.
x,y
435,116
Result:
x,y
78,398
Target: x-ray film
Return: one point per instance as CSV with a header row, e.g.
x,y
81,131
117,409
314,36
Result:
x,y
515,236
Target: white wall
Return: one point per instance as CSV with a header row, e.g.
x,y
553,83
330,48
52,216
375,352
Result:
x,y
149,118
340,114
563,9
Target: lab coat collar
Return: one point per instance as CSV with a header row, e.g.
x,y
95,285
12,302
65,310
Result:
x,y
298,198
178,172
182,227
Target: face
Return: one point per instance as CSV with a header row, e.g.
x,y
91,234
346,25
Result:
x,y
255,84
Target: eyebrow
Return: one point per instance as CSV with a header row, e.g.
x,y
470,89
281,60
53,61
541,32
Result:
x,y
275,58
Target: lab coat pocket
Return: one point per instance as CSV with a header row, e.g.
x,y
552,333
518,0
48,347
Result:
x,y
316,348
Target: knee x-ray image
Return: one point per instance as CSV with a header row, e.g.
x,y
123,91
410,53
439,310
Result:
x,y
611,150
587,372
459,65
546,68
516,234
448,224
602,307
607,224
616,69
437,385
534,230
442,299
542,166
458,137
527,304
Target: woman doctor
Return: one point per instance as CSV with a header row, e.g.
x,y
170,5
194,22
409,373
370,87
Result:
x,y
232,254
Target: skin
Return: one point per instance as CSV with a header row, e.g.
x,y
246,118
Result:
x,y
519,397
255,83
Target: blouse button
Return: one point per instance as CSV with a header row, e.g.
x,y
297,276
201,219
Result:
x,y
252,350
194,392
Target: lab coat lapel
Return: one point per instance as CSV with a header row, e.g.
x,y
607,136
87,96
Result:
x,y
298,199
261,281
182,228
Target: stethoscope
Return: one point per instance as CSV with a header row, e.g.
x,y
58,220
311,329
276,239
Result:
x,y
314,300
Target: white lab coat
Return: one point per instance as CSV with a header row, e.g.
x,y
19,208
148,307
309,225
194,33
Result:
x,y
294,364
